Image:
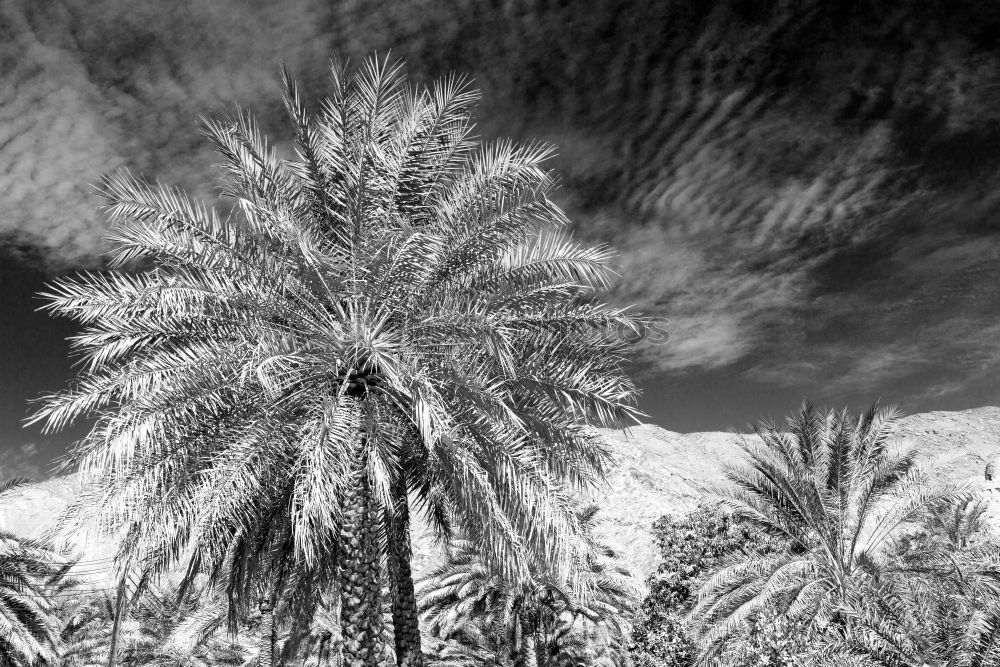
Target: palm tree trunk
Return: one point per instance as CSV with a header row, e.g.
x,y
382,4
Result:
x,y
530,651
266,654
360,585
523,650
405,625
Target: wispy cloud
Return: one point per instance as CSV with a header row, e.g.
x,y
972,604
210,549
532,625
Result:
x,y
779,242
90,87
26,460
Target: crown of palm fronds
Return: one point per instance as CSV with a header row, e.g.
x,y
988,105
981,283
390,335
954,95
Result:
x,y
835,488
396,295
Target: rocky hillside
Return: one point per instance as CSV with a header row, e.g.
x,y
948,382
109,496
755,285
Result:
x,y
656,472
661,472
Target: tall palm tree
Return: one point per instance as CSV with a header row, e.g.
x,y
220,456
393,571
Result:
x,y
32,576
397,312
531,621
834,487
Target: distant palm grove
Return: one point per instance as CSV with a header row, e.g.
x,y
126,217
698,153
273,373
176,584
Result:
x,y
397,323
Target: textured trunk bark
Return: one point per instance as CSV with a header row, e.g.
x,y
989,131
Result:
x,y
360,585
530,651
405,624
323,651
266,654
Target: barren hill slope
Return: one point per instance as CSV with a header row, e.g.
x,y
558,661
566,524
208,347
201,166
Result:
x,y
656,472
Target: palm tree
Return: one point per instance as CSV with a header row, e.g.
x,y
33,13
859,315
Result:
x,y
834,488
535,620
169,627
938,602
397,312
86,633
32,576
958,523
321,645
923,622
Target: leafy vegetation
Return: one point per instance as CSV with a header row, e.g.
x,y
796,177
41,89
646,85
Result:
x,y
539,619
397,313
165,627
940,605
691,548
833,545
31,574
834,488
925,590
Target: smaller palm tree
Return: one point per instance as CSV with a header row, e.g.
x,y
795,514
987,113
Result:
x,y
172,627
482,618
959,523
32,575
939,601
86,633
835,489
321,645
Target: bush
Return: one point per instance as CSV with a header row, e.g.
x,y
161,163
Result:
x,y
663,643
772,641
692,546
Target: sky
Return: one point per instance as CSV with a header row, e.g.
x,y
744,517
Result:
x,y
804,219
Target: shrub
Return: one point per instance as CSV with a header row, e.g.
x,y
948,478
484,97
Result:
x,y
691,546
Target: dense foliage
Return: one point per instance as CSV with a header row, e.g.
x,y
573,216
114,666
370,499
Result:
x,y
397,312
834,488
831,545
32,576
542,619
939,603
164,627
927,593
691,547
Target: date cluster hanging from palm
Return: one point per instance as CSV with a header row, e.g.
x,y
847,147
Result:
x,y
398,312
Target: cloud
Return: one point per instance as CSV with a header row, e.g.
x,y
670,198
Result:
x,y
914,319
717,311
54,132
777,228
94,86
23,461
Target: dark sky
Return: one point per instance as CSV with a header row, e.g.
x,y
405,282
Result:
x,y
804,195
34,358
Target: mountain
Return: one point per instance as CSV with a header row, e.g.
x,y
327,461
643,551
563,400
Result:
x,y
655,472
659,472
